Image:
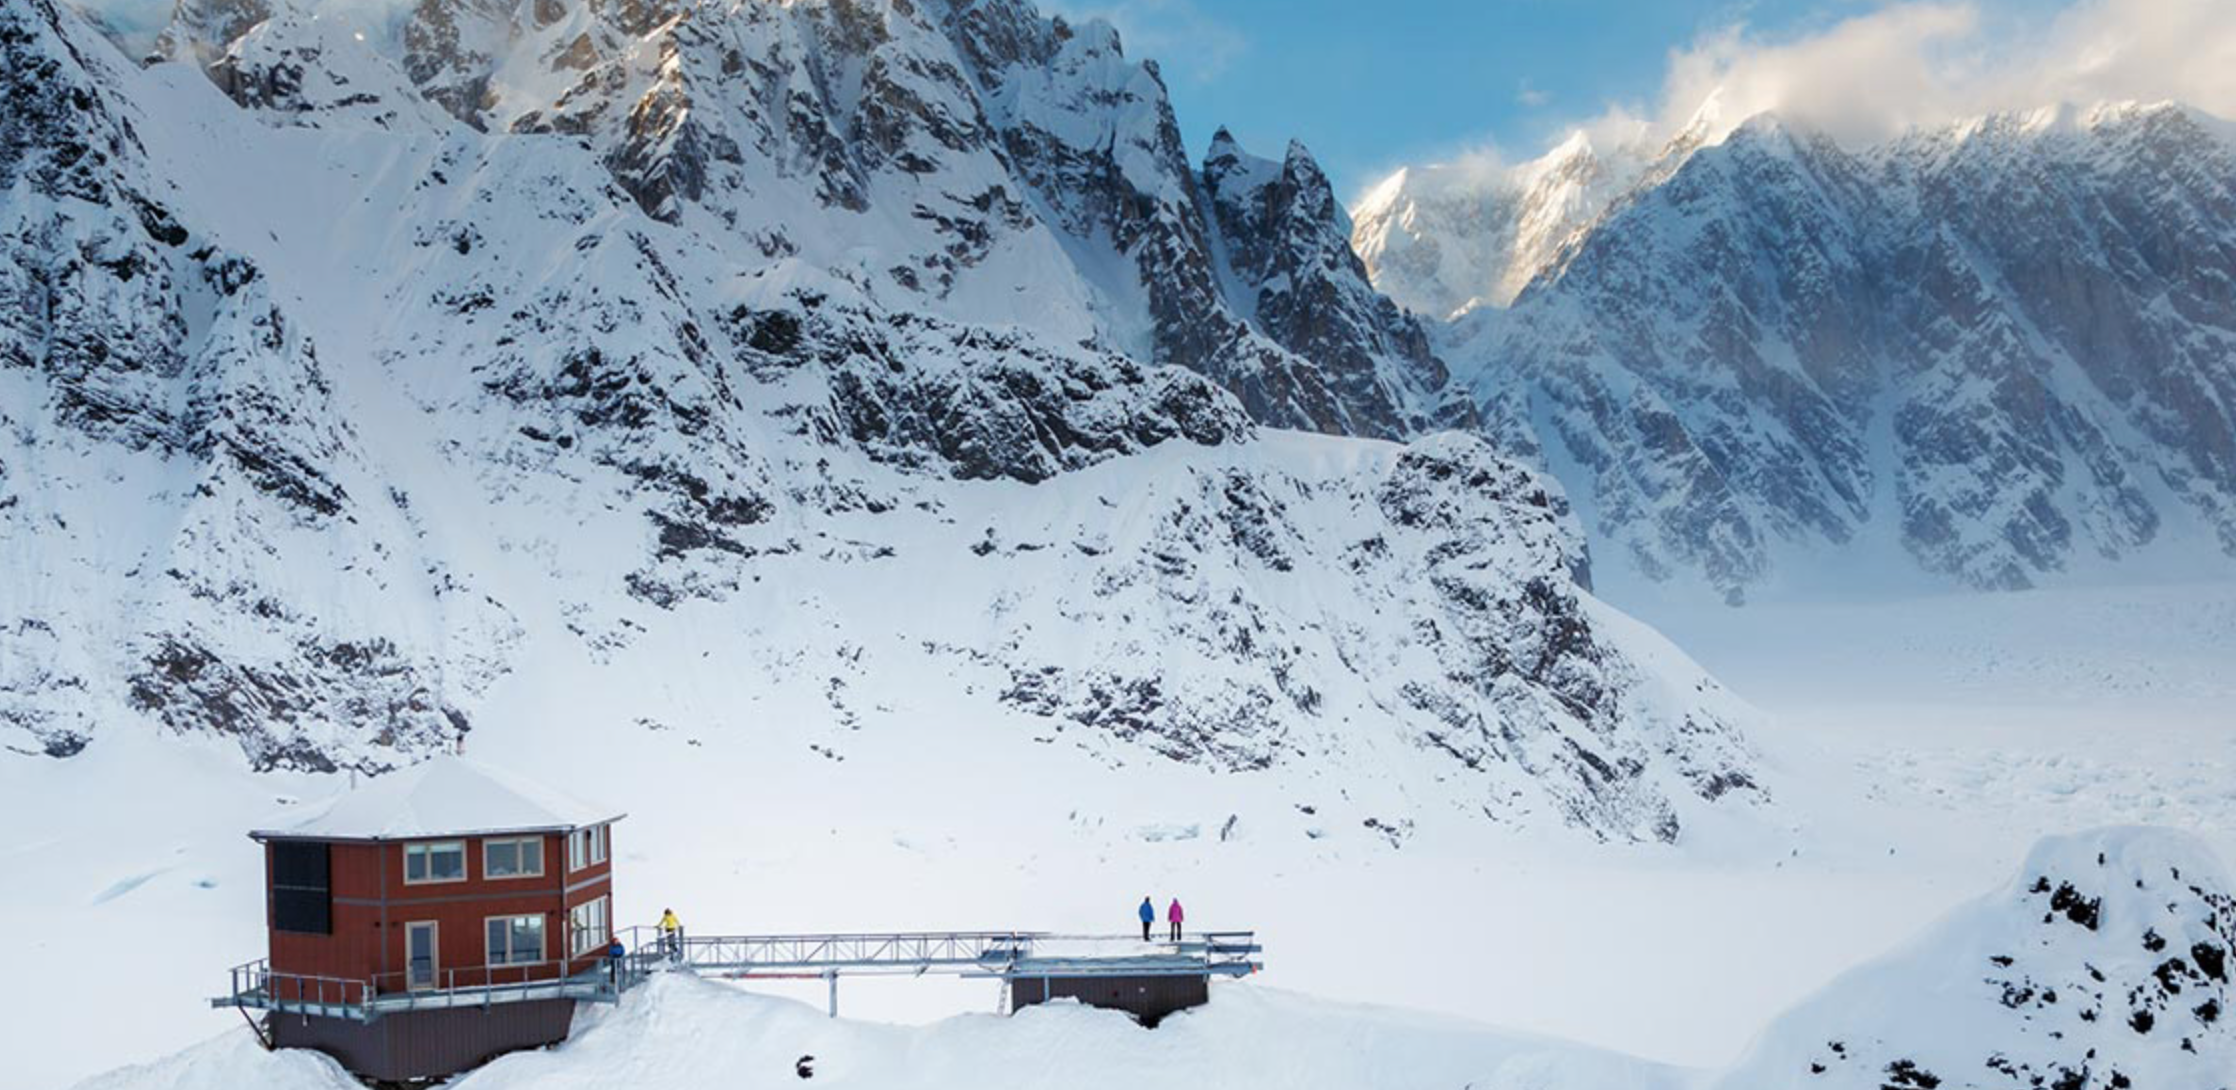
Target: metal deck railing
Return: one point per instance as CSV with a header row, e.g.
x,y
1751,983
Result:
x,y
1008,955
256,986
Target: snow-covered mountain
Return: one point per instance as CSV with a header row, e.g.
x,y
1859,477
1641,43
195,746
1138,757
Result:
x,y
2005,344
566,346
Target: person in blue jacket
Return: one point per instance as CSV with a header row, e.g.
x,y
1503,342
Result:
x,y
1148,916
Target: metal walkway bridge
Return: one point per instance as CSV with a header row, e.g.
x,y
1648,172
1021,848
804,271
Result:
x,y
1007,955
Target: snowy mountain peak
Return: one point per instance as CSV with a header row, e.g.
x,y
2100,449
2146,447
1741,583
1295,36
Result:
x,y
1285,241
1446,239
1225,164
1709,122
200,30
1574,153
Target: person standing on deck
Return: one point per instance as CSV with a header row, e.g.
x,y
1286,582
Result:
x,y
1148,916
1174,916
614,953
671,933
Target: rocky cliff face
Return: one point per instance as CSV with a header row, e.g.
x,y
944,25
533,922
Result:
x,y
173,458
1286,246
738,330
2006,341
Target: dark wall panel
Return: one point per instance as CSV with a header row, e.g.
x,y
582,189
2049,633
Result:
x,y
1148,998
428,1044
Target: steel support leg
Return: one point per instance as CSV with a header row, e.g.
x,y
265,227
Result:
x,y
832,976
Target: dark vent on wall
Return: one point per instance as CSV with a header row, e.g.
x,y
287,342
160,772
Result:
x,y
302,894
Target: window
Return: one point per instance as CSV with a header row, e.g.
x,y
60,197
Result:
x,y
586,927
521,858
586,847
436,861
515,940
302,900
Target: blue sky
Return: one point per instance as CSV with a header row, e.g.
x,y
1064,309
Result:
x,y
1371,86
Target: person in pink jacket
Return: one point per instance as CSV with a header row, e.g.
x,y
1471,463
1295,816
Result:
x,y
1174,916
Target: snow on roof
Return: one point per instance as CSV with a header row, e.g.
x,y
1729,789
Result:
x,y
445,796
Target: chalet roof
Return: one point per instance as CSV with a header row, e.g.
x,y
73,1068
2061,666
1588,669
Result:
x,y
444,796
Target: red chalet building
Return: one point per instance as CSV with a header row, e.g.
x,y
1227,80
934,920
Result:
x,y
435,918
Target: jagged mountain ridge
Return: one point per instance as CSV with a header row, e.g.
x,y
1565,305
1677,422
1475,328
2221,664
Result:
x,y
498,415
2006,341
979,160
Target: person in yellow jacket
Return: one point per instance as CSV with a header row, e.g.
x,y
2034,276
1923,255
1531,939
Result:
x,y
671,933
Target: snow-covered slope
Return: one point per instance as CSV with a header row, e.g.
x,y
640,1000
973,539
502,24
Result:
x,y
2104,964
682,1032
316,473
2001,347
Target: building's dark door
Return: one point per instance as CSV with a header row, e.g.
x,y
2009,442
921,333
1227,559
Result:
x,y
422,957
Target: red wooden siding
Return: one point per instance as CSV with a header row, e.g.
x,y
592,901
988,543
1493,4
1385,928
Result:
x,y
371,905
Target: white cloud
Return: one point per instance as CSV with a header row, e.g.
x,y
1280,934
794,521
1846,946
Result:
x,y
1886,70
1530,96
1915,64
2142,49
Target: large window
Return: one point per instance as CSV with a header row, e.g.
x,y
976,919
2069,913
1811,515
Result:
x,y
586,847
435,861
586,927
522,858
302,897
515,940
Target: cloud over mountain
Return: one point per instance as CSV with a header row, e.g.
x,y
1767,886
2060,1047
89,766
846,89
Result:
x,y
1912,65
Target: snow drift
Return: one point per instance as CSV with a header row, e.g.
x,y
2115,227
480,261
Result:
x,y
682,1032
